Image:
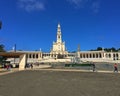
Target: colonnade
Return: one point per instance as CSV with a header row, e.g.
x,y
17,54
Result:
x,y
103,55
89,54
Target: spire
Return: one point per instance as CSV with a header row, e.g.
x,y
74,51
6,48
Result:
x,y
59,37
58,24
40,49
58,29
103,49
14,48
78,48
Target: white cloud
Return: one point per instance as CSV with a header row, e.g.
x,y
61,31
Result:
x,y
77,3
31,5
95,6
90,4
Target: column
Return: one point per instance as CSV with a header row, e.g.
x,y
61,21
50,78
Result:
x,y
22,62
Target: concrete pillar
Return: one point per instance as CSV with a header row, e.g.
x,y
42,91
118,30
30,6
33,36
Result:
x,y
83,55
39,56
95,55
22,62
99,55
91,55
102,55
78,54
118,56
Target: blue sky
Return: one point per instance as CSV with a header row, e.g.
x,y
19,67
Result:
x,y
32,24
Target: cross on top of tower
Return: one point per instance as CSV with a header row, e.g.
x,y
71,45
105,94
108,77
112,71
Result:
x,y
58,24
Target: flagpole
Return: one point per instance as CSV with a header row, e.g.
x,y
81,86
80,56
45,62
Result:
x,y
14,51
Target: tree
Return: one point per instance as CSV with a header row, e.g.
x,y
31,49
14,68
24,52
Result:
x,y
2,50
111,49
99,48
106,49
118,49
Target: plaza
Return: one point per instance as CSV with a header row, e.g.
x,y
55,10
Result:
x,y
59,48
60,83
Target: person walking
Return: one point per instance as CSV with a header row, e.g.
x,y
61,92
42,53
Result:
x,y
31,66
115,67
93,67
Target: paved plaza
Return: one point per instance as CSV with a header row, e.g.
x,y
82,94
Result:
x,y
59,83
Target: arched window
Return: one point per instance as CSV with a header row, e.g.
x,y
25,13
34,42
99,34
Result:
x,y
80,55
29,55
113,55
36,55
100,55
87,55
33,55
117,55
109,55
93,55
96,55
83,55
90,56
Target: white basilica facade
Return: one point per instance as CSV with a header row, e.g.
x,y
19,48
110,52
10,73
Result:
x,y
58,49
58,53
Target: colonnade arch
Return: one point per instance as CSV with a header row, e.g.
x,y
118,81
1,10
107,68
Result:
x,y
90,55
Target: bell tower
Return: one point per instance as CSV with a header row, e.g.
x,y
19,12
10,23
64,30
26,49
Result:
x,y
59,37
58,49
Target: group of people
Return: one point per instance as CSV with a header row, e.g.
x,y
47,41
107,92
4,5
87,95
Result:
x,y
115,67
29,66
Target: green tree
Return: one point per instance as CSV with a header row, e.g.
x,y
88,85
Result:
x,y
99,48
111,49
106,49
118,49
2,50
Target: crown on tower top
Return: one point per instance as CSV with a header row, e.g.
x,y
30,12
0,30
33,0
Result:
x,y
58,24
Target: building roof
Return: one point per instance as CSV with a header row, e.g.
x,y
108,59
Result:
x,y
11,54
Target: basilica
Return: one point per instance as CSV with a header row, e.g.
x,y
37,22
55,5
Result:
x,y
58,53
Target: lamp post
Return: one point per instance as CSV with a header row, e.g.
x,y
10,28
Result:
x,y
14,49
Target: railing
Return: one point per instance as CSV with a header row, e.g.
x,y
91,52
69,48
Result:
x,y
87,66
